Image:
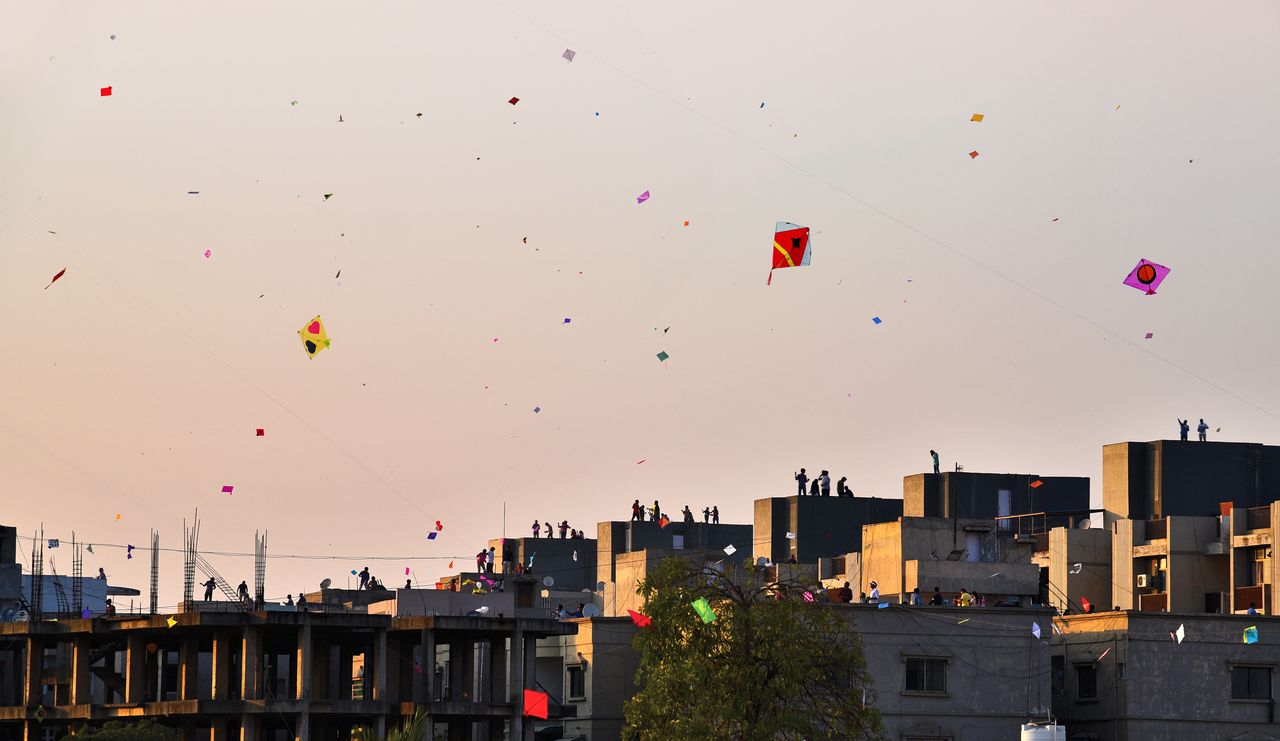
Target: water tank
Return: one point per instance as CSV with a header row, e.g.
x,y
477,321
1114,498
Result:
x,y
1044,732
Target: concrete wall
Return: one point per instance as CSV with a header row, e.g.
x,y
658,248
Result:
x,y
976,495
1169,477
1166,691
823,526
1123,482
1091,548
1124,588
922,545
443,602
610,665
551,557
997,673
1192,573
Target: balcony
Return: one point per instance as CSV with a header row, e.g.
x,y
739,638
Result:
x,y
1257,518
1158,602
1258,595
1156,529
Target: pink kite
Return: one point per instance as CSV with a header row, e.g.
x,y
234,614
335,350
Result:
x,y
1146,276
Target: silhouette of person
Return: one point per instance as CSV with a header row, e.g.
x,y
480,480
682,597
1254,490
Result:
x,y
715,515
1203,429
801,480
637,512
537,528
825,478
208,589
1183,429
688,514
706,515
934,453
547,525
364,578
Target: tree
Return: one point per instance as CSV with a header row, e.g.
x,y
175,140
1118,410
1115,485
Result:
x,y
411,729
772,665
115,730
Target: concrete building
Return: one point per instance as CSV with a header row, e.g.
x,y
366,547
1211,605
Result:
x,y
274,675
1173,564
822,526
616,538
928,552
1078,564
570,562
973,495
956,674
1153,480
1253,559
593,672
1125,677
10,572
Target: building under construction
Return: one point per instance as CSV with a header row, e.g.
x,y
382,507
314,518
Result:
x,y
272,674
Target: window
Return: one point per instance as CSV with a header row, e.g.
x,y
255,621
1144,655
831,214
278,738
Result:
x,y
1086,682
577,682
927,675
1250,683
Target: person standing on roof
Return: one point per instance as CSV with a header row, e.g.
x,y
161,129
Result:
x,y
1183,429
825,478
657,511
208,589
706,515
801,480
364,578
688,514
547,525
488,561
537,528
934,453
715,515
243,590
637,512
564,529
1203,429
875,593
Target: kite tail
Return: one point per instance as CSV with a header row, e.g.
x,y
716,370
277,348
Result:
x,y
770,281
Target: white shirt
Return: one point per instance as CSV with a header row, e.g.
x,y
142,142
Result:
x,y
875,594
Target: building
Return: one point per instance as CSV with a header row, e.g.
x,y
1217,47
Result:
x,y
972,495
1153,480
1253,559
11,599
570,562
616,538
808,528
276,675
1125,676
1078,564
954,674
928,552
1173,564
592,673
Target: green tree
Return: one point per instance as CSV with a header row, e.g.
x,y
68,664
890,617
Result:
x,y
116,730
411,729
772,665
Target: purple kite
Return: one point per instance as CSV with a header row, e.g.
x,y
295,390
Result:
x,y
1146,276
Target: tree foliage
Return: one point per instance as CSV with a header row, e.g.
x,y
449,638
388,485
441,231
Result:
x,y
772,665
116,730
411,729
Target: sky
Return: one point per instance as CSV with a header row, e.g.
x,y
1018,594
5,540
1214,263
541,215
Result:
x,y
467,230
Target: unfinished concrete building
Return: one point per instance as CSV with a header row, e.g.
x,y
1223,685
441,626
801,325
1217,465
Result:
x,y
272,675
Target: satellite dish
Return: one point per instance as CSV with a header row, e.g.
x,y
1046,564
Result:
x,y
590,611
1085,524
21,616
599,586
548,581
325,584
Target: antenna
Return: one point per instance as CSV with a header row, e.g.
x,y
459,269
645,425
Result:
x,y
155,572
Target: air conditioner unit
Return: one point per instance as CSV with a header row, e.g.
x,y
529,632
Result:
x,y
1144,581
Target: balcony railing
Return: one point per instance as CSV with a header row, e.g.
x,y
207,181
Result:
x,y
1258,595
1258,518
1158,602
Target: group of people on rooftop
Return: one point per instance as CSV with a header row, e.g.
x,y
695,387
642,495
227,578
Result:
x,y
821,485
565,530
710,515
1184,427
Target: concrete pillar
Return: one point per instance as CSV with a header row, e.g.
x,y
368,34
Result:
x,y
517,692
221,666
189,668
424,683
303,661
32,688
251,663
250,728
497,670
218,730
135,668
80,671
344,671
322,667
378,672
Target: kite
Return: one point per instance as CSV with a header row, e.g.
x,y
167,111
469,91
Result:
x,y
1103,655
1075,568
1251,634
170,621
566,320
877,320
327,196
882,606
451,564
808,596
642,197
1084,603
208,253
314,338
432,536
1035,629
729,550
439,526
664,521
53,542
227,489
1037,484
1150,335
535,704
406,570
1180,633
1146,276
973,155
663,355
128,553
513,101
56,277
703,608
105,92
261,432
569,54
640,619
537,409
89,547
977,118
790,247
